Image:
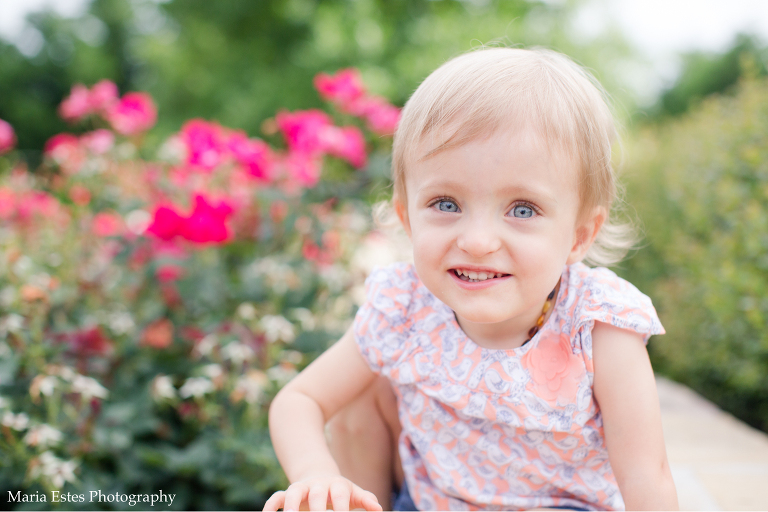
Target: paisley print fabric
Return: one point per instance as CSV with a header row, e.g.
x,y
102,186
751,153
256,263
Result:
x,y
499,429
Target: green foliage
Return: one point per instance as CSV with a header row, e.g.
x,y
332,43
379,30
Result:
x,y
700,185
707,73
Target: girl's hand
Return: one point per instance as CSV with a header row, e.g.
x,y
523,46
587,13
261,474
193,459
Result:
x,y
319,492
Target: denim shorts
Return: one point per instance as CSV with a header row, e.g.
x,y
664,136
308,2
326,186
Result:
x,y
401,500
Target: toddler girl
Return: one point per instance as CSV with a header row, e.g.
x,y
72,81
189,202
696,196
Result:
x,y
521,375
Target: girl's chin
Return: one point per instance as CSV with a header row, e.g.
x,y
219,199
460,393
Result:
x,y
484,316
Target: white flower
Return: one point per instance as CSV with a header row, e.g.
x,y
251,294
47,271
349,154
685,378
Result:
x,y
196,387
279,276
162,387
41,280
291,356
206,345
42,436
7,296
66,373
121,322
11,323
64,473
43,385
282,373
88,387
276,327
335,276
22,266
47,385
212,371
305,318
246,311
15,421
251,386
237,352
54,259
138,221
173,150
57,471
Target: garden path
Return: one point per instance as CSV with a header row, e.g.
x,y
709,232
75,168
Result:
x,y
717,461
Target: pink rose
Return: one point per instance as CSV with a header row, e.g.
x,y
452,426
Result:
x,y
303,169
381,116
310,251
7,203
302,130
107,224
205,144
103,95
65,151
169,272
555,370
80,195
343,87
207,223
77,105
87,342
254,155
134,113
36,204
98,142
7,137
347,143
59,141
166,223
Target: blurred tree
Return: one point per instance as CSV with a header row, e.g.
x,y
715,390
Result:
x,y
708,73
239,61
700,184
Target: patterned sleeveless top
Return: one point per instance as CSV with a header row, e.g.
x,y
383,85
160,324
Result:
x,y
499,429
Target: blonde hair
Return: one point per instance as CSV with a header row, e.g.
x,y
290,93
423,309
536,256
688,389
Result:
x,y
480,92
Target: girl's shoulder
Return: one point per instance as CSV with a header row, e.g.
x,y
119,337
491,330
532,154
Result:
x,y
395,290
598,294
396,305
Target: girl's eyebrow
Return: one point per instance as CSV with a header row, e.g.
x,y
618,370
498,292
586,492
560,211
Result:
x,y
524,190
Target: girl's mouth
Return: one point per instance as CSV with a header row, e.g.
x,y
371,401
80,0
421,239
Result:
x,y
472,276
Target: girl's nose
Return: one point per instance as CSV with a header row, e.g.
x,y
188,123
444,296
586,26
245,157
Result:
x,y
479,238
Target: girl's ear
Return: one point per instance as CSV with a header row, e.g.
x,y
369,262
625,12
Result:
x,y
585,234
402,213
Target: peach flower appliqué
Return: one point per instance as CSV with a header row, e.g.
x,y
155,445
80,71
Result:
x,y
555,370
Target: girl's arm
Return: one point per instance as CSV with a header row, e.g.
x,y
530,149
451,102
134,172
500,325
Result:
x,y
625,390
297,420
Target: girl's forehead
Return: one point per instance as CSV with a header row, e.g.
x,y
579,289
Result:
x,y
505,159
511,142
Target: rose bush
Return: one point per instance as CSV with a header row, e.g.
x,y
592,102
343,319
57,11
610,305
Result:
x,y
700,184
151,307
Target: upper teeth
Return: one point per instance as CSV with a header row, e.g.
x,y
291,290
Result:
x,y
478,276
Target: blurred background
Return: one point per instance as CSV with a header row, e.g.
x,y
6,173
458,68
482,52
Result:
x,y
185,340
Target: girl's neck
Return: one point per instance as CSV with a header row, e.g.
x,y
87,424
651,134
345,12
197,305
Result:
x,y
512,333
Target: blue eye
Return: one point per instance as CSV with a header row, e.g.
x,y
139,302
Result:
x,y
447,206
522,211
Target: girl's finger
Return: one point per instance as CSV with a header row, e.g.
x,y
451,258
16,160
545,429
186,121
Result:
x,y
318,497
274,502
295,496
364,499
340,495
